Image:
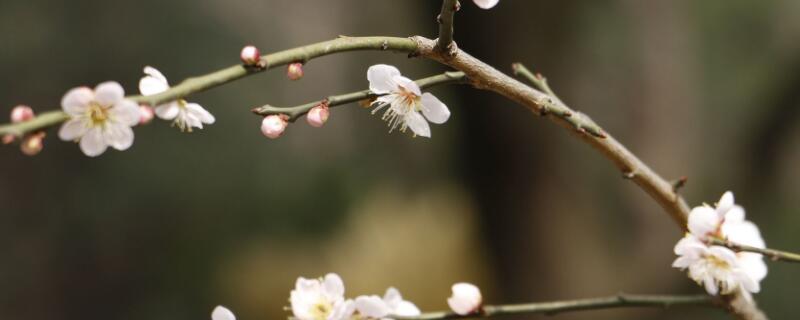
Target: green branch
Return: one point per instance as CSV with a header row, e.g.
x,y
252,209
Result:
x,y
550,308
298,111
220,77
772,254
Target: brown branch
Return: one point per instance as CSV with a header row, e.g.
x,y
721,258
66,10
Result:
x,y
772,254
446,19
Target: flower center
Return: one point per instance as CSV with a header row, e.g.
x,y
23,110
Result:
x,y
321,309
97,113
408,98
716,262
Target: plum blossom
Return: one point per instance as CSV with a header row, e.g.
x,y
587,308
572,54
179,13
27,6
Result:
x,y
404,101
222,313
274,125
466,298
184,114
392,304
718,268
486,4
99,118
320,299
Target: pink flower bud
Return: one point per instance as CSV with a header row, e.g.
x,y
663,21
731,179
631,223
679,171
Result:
x,y
273,126
145,115
32,144
8,139
250,55
294,71
21,113
318,115
466,298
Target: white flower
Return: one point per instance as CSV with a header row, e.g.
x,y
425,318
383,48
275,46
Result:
x,y
717,268
486,4
320,299
222,313
392,304
186,115
466,298
404,101
99,118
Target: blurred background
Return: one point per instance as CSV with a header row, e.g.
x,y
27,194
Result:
x,y
182,222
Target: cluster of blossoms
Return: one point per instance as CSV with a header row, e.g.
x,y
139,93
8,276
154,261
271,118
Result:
x,y
720,269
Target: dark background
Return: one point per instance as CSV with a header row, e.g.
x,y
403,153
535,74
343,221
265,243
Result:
x,y
182,222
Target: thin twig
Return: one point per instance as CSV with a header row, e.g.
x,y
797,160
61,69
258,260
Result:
x,y
446,20
772,254
223,76
619,301
336,100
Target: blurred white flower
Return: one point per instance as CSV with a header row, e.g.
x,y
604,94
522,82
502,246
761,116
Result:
x,y
392,304
222,313
486,4
466,298
717,268
99,118
320,299
404,101
186,115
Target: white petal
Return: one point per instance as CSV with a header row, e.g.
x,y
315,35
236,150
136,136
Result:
x,y
202,114
466,298
690,246
372,307
703,220
77,100
408,84
222,313
433,109
682,262
108,93
381,78
333,286
154,82
418,124
119,136
126,112
168,111
734,215
342,310
745,232
753,264
92,143
725,202
711,285
486,4
392,297
72,129
406,309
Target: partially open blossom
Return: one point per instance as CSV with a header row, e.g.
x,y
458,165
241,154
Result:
x,y
392,304
294,71
318,115
32,144
185,115
222,313
398,306
405,103
466,298
147,115
718,268
21,113
250,55
273,125
486,4
99,118
320,299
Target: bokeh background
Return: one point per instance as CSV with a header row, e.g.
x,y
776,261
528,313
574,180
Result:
x,y
182,222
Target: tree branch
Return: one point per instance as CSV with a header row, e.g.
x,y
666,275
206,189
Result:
x,y
772,254
220,77
298,111
619,301
446,20
484,76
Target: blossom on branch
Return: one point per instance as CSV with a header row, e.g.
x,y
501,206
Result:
x,y
186,115
466,299
222,313
392,304
720,269
320,299
404,101
99,118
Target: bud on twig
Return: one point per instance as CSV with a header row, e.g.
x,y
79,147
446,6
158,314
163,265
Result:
x,y
21,113
294,71
250,55
33,144
273,126
318,115
146,115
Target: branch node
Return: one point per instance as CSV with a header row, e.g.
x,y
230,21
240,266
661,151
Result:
x,y
630,174
679,183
